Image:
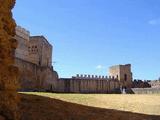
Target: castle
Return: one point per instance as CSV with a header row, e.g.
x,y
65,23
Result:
x,y
34,60
33,57
120,76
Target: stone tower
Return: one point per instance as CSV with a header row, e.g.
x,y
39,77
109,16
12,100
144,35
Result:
x,y
123,74
40,51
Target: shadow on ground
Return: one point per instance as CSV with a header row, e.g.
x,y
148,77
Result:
x,y
42,108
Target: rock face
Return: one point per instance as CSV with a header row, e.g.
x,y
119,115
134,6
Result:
x,y
8,73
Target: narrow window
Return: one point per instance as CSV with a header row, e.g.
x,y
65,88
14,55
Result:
x,y
125,77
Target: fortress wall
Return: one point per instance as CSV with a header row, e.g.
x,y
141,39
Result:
x,y
28,73
33,77
93,77
75,86
60,86
86,86
47,78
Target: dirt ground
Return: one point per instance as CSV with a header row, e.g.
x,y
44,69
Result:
x,y
35,107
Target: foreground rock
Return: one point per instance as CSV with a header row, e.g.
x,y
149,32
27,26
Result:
x,y
8,73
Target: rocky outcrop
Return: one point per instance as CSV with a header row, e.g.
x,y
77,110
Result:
x,y
8,73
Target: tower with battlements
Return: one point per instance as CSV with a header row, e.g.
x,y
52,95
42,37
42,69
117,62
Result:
x,y
123,74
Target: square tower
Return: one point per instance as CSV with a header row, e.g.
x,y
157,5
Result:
x,y
40,51
123,73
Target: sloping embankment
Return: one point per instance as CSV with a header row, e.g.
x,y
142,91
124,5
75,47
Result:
x,y
43,108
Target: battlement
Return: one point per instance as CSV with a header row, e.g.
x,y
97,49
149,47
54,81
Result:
x,y
22,32
101,77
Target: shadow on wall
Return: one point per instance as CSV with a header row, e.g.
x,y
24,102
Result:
x,y
42,108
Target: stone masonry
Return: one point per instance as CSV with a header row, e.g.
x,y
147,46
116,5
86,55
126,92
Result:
x,y
120,76
33,57
34,60
123,74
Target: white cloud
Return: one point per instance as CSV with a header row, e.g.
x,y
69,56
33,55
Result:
x,y
99,67
154,21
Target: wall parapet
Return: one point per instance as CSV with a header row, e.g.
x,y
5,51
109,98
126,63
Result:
x,y
100,77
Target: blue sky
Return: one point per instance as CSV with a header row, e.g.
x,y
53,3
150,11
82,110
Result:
x,y
88,36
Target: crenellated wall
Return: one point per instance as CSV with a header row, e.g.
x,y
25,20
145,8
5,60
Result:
x,y
94,77
88,84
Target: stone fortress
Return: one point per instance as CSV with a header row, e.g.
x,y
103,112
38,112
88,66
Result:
x,y
34,49
33,57
34,60
120,76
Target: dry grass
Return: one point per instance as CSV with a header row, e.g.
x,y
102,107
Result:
x,y
146,104
35,107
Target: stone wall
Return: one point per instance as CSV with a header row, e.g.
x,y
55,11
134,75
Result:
x,y
34,60
34,49
22,36
34,77
87,86
146,90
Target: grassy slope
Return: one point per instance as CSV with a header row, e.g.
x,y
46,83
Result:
x,y
35,107
147,104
